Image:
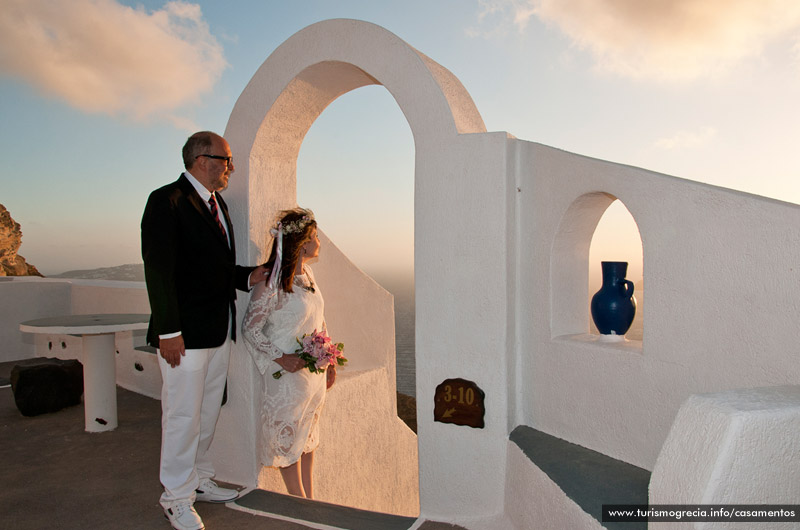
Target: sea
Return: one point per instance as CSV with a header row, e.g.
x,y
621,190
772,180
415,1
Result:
x,y
402,288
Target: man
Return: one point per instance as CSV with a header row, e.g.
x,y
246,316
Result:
x,y
192,277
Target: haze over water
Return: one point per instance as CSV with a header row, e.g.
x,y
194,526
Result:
x,y
402,288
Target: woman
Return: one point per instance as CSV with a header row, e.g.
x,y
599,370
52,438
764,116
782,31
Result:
x,y
284,308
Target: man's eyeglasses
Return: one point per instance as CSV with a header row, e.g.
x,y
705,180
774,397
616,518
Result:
x,y
228,159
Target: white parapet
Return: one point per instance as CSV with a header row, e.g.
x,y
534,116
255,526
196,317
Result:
x,y
362,442
733,447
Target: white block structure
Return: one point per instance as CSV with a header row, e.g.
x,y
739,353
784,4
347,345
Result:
x,y
731,448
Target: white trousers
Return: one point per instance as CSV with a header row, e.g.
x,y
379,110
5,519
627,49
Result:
x,y
191,397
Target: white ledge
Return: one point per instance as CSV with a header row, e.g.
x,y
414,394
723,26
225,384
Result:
x,y
625,345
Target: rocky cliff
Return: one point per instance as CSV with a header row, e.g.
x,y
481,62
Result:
x,y
11,263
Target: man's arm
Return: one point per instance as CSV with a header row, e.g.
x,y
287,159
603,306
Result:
x,y
159,252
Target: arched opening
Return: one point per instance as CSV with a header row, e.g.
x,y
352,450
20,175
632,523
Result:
x,y
596,227
358,177
616,238
353,178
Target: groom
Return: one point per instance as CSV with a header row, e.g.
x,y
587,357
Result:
x,y
192,277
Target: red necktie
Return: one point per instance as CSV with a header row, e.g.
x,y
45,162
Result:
x,y
212,201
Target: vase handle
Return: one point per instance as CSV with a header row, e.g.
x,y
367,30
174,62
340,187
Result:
x,y
629,288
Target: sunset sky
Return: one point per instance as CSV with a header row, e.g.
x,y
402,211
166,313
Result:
x,y
98,96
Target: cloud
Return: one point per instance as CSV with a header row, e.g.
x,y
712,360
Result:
x,y
103,57
491,15
687,139
663,39
497,18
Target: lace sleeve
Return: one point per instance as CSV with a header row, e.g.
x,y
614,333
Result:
x,y
262,303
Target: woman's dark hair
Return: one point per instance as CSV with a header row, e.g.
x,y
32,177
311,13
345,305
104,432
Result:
x,y
298,225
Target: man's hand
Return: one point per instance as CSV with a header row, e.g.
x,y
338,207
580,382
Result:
x,y
172,350
259,274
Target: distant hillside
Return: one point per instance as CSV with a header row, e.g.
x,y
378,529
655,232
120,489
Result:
x,y
133,272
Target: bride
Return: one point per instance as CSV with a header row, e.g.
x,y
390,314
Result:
x,y
281,310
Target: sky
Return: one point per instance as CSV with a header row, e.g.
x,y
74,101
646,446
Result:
x,y
98,96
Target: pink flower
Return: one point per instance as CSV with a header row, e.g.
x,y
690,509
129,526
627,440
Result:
x,y
319,351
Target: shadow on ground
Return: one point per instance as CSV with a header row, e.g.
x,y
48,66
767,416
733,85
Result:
x,y
56,475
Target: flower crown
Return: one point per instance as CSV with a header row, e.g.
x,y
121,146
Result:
x,y
297,225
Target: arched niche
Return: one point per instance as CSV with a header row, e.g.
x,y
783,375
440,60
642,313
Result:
x,y
569,264
617,238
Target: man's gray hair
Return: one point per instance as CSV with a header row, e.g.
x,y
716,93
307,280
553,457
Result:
x,y
198,144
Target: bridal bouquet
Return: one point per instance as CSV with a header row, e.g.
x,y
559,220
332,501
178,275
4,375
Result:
x,y
318,351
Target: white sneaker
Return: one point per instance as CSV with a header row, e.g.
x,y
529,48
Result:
x,y
182,516
209,491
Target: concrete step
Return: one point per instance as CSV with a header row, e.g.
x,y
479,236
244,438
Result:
x,y
319,514
590,479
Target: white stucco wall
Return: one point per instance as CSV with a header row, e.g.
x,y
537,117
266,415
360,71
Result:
x,y
27,298
104,296
363,442
722,300
462,310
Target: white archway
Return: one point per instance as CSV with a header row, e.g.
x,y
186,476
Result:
x,y
456,173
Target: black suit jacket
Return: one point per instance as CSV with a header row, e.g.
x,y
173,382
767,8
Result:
x,y
190,270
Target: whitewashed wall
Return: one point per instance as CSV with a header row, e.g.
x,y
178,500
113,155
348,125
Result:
x,y
89,297
723,287
367,457
27,298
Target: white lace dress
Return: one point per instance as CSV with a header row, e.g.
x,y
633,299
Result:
x,y
291,405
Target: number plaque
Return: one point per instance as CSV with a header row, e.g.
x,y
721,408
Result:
x,y
459,401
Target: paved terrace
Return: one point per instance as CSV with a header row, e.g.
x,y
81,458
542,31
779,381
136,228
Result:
x,y
56,476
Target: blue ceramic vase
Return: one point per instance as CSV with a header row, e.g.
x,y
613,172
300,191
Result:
x,y
613,306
